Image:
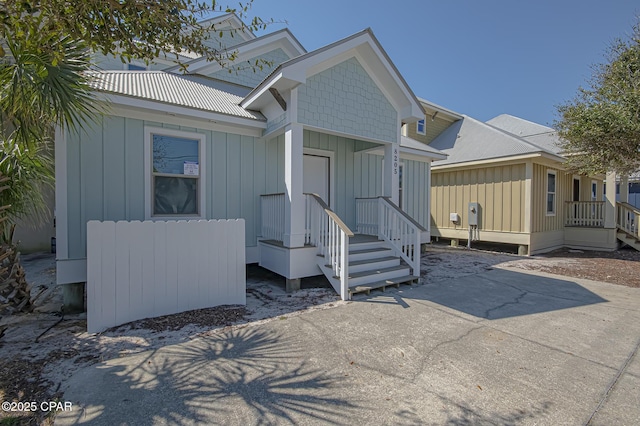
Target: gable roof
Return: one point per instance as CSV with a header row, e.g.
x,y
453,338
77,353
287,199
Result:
x,y
364,44
469,140
435,109
191,91
248,49
540,135
228,19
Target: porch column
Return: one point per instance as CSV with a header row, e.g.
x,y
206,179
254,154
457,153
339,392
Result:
x,y
294,211
391,172
624,189
610,201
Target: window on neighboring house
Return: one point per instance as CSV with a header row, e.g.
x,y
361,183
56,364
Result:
x,y
136,67
175,174
594,190
551,193
421,127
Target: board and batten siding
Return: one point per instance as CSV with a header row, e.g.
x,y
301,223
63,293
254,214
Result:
x,y
105,176
351,174
540,221
499,190
432,129
360,175
416,187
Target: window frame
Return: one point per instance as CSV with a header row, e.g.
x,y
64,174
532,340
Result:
x,y
554,193
424,127
148,172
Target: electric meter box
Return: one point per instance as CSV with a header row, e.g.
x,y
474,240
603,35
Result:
x,y
473,214
453,217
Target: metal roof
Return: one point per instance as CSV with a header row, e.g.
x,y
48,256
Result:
x,y
537,134
439,108
406,142
472,140
191,91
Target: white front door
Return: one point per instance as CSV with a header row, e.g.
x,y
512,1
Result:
x,y
316,176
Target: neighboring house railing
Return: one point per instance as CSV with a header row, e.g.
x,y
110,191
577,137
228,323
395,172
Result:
x,y
331,236
272,207
584,213
628,218
380,216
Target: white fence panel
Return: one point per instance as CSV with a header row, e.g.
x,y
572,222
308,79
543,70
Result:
x,y
146,269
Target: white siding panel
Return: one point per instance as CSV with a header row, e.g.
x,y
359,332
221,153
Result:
x,y
139,270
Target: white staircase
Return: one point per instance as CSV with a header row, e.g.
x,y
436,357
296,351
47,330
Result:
x,y
385,252
372,265
628,239
628,224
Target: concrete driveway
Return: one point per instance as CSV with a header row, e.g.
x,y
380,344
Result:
x,y
502,347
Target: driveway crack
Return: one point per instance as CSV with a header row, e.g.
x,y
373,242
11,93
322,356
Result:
x,y
487,313
614,382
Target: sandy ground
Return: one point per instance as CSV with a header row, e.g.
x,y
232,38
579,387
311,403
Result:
x,y
36,361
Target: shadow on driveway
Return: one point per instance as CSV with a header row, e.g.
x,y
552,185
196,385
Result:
x,y
499,294
233,377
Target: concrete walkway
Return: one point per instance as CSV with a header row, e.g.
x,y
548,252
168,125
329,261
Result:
x,y
502,347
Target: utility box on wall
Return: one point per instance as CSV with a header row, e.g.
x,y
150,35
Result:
x,y
473,214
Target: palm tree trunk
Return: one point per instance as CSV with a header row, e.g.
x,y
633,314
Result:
x,y
15,292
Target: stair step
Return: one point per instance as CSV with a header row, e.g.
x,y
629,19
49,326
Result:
x,y
373,264
629,240
367,245
366,288
366,277
369,253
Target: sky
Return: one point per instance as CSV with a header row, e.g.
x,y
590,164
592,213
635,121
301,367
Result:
x,y
481,58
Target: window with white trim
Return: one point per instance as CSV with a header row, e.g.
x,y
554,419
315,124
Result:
x,y
594,190
421,127
551,193
174,173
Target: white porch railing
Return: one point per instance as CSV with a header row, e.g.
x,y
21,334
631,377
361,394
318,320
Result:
x,y
272,207
381,217
584,213
628,218
331,236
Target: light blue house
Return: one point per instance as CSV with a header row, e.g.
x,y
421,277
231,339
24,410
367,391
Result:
x,y
308,152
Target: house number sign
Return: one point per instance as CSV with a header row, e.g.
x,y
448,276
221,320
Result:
x,y
395,160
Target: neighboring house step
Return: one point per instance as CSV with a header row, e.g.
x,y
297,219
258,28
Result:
x,y
366,288
629,240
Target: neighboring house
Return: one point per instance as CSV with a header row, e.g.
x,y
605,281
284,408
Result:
x,y
437,119
253,144
513,169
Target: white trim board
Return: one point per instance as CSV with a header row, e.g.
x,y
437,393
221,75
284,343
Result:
x,y
61,207
202,119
